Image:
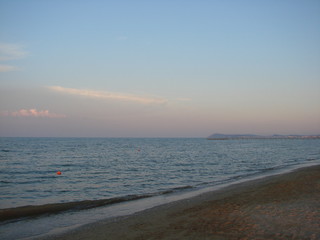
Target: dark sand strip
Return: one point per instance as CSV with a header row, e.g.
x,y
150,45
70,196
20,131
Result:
x,y
285,206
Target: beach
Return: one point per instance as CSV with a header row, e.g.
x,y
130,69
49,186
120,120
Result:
x,y
284,206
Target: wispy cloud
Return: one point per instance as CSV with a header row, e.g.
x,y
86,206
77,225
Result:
x,y
7,68
32,113
109,95
10,52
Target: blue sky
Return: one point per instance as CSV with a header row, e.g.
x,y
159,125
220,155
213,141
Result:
x,y
159,68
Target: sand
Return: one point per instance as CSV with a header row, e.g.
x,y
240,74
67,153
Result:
x,y
284,206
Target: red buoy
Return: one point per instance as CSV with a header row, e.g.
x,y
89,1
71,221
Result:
x,y
58,173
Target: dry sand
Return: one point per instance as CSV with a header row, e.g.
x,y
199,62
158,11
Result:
x,y
279,207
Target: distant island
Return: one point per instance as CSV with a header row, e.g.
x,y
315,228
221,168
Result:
x,y
219,136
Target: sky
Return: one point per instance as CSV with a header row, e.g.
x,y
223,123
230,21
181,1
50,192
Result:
x,y
169,68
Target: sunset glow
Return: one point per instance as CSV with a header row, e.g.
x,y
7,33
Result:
x,y
159,68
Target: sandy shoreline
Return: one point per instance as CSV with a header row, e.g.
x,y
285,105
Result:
x,y
284,206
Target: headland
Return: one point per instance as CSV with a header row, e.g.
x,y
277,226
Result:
x,y
219,136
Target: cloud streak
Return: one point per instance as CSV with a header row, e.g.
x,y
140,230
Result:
x,y
109,95
32,113
7,68
10,52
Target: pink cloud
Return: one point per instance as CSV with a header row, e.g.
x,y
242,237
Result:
x,y
7,68
32,113
109,95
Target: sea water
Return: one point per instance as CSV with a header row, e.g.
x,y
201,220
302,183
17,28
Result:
x,y
116,172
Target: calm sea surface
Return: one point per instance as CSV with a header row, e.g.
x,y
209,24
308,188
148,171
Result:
x,y
106,168
98,168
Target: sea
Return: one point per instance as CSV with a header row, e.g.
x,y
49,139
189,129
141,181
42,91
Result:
x,y
52,185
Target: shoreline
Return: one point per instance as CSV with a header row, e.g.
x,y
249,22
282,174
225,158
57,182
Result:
x,y
275,207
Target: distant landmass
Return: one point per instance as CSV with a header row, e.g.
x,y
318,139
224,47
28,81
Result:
x,y
219,136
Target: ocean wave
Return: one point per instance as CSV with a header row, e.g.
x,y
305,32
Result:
x,y
55,208
172,190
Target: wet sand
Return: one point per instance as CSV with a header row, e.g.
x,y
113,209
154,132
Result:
x,y
285,206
